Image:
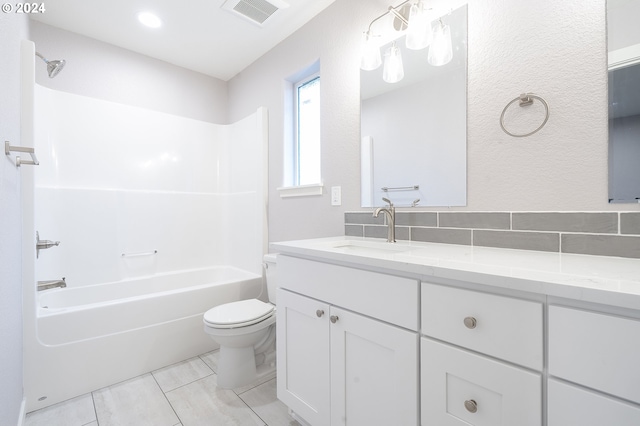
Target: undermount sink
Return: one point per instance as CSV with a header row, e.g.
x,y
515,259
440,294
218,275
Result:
x,y
368,247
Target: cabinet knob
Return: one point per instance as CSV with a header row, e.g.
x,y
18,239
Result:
x,y
333,318
470,322
319,313
471,405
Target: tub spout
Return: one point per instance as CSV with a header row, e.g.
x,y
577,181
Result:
x,y
46,285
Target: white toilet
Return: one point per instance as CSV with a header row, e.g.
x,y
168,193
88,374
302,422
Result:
x,y
246,333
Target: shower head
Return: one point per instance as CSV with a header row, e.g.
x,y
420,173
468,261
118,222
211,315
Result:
x,y
53,67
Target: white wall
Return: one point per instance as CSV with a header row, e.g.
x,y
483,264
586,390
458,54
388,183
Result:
x,y
555,49
13,28
104,71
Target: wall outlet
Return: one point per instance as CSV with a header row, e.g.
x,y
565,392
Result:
x,y
336,196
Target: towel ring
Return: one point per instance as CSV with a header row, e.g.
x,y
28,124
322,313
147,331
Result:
x,y
525,99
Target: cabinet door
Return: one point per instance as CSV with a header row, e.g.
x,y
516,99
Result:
x,y
460,388
374,372
596,350
573,406
303,356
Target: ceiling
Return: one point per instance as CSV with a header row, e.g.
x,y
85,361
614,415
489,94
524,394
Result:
x,y
196,34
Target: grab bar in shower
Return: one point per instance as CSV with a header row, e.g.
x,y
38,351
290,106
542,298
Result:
x,y
145,253
8,149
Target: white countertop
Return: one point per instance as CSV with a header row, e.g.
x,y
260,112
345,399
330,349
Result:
x,y
598,279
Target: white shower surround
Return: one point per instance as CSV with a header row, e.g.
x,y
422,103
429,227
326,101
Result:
x,y
115,179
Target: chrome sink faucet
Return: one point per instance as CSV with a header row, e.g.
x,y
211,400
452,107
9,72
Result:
x,y
390,214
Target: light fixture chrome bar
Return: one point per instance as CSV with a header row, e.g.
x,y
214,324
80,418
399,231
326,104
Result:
x,y
401,188
394,11
146,253
8,149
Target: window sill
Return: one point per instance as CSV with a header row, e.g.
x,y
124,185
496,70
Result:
x,y
300,191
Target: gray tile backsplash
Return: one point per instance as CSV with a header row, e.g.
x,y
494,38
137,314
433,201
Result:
x,y
604,245
439,235
630,223
475,220
567,222
541,241
417,219
595,233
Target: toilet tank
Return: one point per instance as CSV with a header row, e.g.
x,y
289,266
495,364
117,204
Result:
x,y
271,275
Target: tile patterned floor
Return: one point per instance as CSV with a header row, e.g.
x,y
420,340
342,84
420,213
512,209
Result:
x,y
183,394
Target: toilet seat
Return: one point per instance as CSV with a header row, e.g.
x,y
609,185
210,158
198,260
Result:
x,y
238,314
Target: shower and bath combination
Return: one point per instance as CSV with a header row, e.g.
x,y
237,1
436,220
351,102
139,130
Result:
x,y
53,67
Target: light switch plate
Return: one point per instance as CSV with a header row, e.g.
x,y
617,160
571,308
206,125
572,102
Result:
x,y
336,196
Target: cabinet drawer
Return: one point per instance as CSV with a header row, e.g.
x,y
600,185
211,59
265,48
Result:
x,y
460,388
573,406
507,328
385,297
595,350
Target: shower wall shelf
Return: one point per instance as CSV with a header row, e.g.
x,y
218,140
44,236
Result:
x,y
8,149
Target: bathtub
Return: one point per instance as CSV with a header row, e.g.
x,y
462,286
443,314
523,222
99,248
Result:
x,y
89,337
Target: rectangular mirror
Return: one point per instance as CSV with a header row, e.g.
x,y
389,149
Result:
x,y
414,132
623,34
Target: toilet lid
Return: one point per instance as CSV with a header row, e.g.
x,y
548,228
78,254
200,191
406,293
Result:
x,y
234,314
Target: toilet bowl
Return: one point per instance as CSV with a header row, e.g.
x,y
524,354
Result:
x,y
246,333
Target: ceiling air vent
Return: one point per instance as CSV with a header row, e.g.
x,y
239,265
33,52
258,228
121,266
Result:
x,y
256,11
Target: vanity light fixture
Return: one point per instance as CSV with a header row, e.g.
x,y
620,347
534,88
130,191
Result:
x,y
393,70
419,32
440,52
149,19
370,56
412,18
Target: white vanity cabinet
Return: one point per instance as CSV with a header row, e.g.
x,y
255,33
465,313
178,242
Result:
x,y
593,368
460,385
338,363
445,335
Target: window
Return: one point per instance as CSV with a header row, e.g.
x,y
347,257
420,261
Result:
x,y
302,168
307,131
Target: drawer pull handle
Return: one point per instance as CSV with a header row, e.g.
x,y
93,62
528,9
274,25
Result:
x,y
470,323
319,313
333,318
471,405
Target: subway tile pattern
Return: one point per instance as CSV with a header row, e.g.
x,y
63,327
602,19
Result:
x,y
630,223
594,233
182,394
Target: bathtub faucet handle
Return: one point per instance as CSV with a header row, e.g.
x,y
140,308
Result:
x,y
44,244
46,285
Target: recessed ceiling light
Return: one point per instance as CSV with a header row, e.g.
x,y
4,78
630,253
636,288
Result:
x,y
150,20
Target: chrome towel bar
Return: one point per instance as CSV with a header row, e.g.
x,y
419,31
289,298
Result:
x,y
146,253
8,149
401,188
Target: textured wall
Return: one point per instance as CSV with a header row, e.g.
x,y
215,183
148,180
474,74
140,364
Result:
x,y
555,49
13,28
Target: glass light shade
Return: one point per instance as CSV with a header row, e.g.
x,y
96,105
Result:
x,y
370,56
419,33
393,70
440,51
